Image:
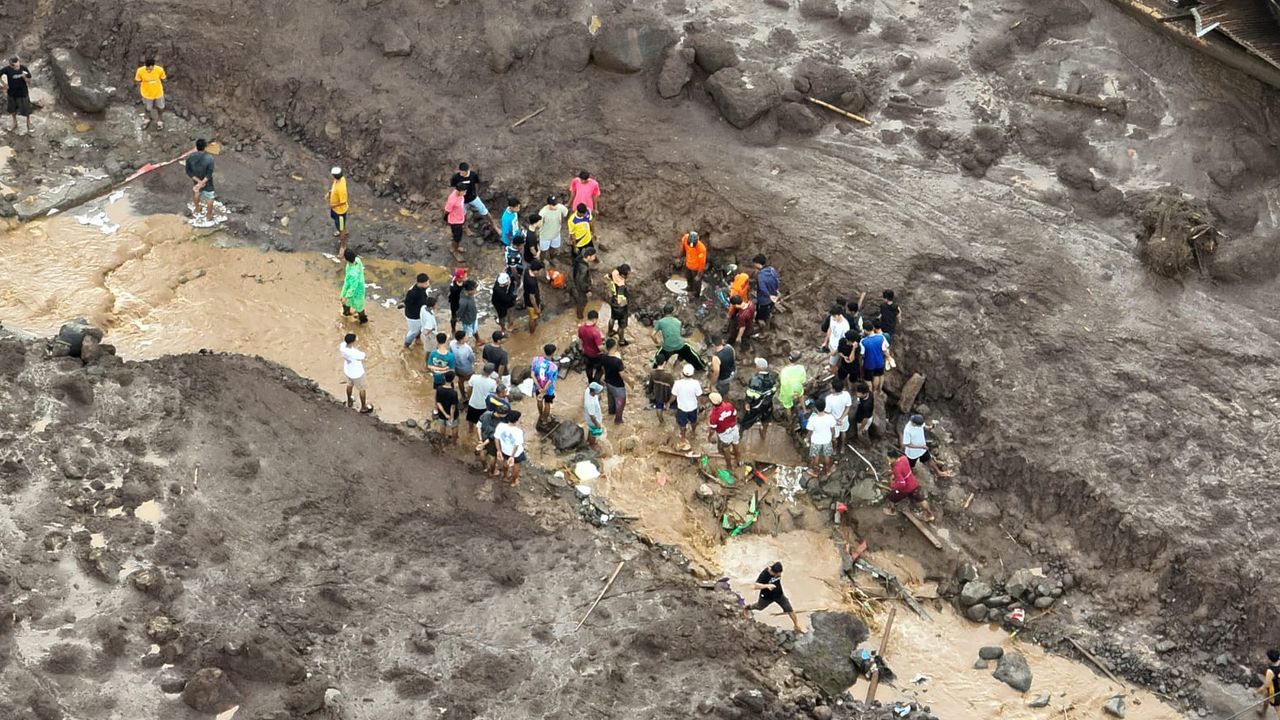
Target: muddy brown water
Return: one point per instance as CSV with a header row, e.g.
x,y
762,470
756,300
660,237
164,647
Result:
x,y
161,287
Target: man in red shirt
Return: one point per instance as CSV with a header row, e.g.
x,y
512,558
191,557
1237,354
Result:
x,y
742,321
592,343
724,429
904,486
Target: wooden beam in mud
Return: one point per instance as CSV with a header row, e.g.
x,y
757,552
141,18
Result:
x,y
600,597
1098,663
924,530
1115,106
884,646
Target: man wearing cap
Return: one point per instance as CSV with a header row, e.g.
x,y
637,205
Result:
x,y
415,300
917,450
791,382
496,355
760,391
593,413
685,395
722,421
580,278
619,308
668,333
693,253
553,215
769,583
504,298
338,207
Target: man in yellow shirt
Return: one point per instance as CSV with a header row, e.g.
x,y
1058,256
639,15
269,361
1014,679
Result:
x,y
338,207
150,78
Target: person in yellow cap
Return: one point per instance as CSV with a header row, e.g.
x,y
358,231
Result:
x,y
338,207
150,78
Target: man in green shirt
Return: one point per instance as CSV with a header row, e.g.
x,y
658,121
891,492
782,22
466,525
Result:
x,y
791,382
352,294
669,334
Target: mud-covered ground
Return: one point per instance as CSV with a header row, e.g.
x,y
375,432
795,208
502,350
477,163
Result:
x,y
1104,418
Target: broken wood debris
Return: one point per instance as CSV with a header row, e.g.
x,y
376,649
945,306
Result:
x,y
1115,106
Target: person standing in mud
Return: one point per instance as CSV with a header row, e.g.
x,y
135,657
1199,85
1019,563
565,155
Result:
x,y
849,367
724,364
668,334
875,356
584,190
833,332
150,78
503,296
15,78
581,229
468,313
545,372
692,255
482,384
496,355
455,216
446,409
415,306
761,388
464,358
768,287
469,181
580,279
511,452
904,486
353,285
532,289
199,167
864,412
593,414
791,382
619,308
838,403
338,206
821,427
592,344
511,221
889,314
722,427
455,296
353,372
552,216
769,583
686,394
440,361
486,447
916,448
615,383
742,321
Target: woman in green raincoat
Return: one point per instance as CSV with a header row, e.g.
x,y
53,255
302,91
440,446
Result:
x,y
352,294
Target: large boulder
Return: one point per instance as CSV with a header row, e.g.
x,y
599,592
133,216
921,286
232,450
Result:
x,y
1021,583
676,72
819,9
1012,670
974,592
824,652
568,436
630,43
713,52
210,691
742,98
74,333
78,83
567,48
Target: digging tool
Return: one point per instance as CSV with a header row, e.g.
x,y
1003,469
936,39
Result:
x,y
884,645
600,597
1261,711
835,109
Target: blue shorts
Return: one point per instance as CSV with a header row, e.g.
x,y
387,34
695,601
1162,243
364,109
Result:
x,y
339,220
206,194
478,205
686,419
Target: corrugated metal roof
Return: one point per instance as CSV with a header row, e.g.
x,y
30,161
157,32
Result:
x,y
1247,22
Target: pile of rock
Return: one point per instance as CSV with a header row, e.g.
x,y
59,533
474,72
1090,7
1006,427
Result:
x,y
995,601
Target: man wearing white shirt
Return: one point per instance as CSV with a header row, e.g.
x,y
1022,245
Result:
x,y
685,395
916,450
353,371
510,440
822,429
838,403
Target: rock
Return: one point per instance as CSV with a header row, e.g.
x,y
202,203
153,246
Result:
x,y
974,592
821,712
91,349
1038,701
742,99
630,43
977,613
1068,581
907,398
171,681
101,562
1114,707
712,53
990,652
307,696
966,573
981,664
780,4
855,19
568,47
78,85
1020,583
796,118
1012,670
1044,602
392,40
824,653
675,73
74,333
568,436
998,601
763,133
210,691
819,9
1222,660
1165,646
161,629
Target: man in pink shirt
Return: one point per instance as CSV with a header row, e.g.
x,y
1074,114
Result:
x,y
592,343
904,486
455,213
584,189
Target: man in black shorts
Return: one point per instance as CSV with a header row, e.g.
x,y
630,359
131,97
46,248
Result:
x,y
864,410
770,586
14,78
486,447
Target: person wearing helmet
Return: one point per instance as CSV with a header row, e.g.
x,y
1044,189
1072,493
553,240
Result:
x,y
693,253
338,207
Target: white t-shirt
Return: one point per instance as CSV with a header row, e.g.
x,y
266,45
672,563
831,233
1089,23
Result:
x,y
835,332
481,387
821,428
553,217
838,404
510,439
591,406
352,361
686,391
913,435
428,320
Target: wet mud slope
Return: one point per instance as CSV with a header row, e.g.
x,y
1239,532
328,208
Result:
x,y
215,521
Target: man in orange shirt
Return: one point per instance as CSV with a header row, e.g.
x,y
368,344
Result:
x,y
694,253
150,78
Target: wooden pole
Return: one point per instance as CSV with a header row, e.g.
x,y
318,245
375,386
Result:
x,y
884,645
835,109
1115,106
926,532
1091,658
528,117
599,597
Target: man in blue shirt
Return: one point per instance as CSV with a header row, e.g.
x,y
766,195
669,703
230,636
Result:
x,y
767,286
875,354
511,221
545,372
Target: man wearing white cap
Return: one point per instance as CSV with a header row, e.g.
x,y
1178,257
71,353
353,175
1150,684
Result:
x,y
504,298
685,395
338,207
594,413
723,428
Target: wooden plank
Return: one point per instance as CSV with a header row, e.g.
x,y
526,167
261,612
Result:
x,y
600,597
926,532
884,646
1090,657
